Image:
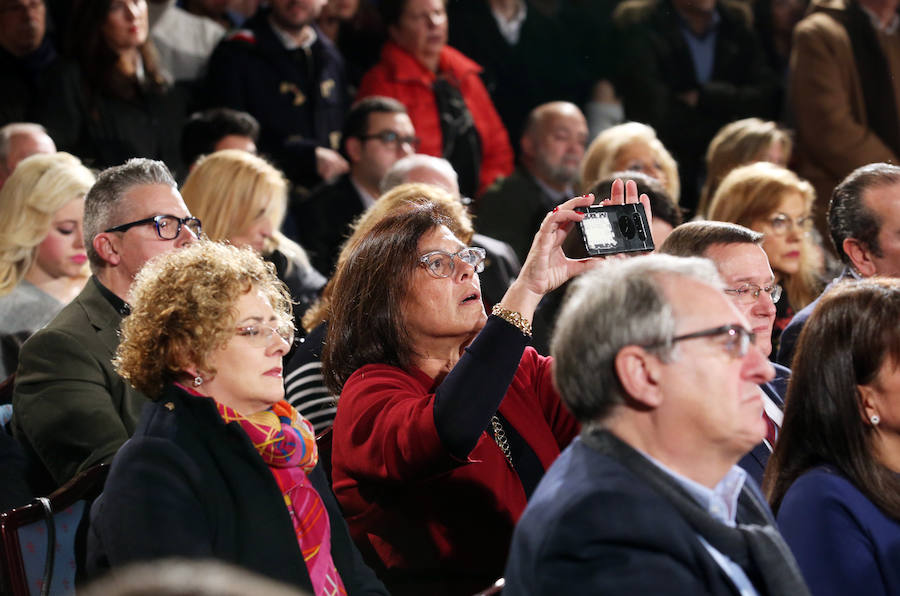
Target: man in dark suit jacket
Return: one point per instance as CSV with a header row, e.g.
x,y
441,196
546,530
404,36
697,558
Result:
x,y
743,265
863,219
658,366
377,132
71,410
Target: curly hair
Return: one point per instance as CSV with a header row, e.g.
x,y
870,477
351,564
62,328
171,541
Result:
x,y
183,308
40,186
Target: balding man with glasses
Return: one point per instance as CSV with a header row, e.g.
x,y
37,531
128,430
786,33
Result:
x,y
71,410
750,283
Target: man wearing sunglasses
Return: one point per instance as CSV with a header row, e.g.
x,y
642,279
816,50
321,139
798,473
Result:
x,y
750,284
660,367
71,410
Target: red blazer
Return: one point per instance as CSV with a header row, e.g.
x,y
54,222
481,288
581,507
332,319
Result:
x,y
399,75
431,523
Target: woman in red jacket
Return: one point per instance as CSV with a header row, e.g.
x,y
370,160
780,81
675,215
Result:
x,y
441,88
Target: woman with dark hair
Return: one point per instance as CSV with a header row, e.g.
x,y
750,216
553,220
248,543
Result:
x,y
220,466
834,478
448,104
110,101
446,420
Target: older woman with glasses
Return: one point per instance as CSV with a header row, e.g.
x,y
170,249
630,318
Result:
x,y
772,200
220,466
446,419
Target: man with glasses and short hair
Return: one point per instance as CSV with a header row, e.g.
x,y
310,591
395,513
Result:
x,y
377,132
750,283
71,410
660,367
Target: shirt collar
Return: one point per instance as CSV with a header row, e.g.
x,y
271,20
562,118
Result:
x,y
888,29
713,25
720,502
287,40
117,303
511,28
554,196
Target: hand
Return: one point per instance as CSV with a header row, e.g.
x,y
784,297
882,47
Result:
x,y
330,164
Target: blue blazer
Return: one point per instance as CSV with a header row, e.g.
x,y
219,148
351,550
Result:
x,y
754,463
843,543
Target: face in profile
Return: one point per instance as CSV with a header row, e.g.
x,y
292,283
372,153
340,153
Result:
x,y
62,254
126,25
248,368
257,233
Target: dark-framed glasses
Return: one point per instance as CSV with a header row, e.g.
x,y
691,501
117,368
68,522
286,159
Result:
x,y
781,224
737,343
393,138
168,227
441,263
260,334
749,293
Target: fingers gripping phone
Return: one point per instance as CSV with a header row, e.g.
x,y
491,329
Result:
x,y
613,229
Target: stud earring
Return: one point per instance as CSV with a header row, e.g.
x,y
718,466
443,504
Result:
x,y
875,419
198,381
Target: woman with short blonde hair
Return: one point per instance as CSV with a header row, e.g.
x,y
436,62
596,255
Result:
x,y
742,142
43,264
774,201
630,146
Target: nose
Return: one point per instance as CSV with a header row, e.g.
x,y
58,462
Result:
x,y
133,9
277,345
185,237
436,18
405,148
764,306
79,237
266,228
756,367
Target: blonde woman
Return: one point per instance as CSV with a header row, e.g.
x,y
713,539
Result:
x,y
772,200
43,264
629,146
244,199
742,142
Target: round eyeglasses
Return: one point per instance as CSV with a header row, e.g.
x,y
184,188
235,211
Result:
x,y
749,293
260,334
781,224
737,343
168,227
440,263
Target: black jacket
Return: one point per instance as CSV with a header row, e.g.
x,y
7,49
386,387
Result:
x,y
189,485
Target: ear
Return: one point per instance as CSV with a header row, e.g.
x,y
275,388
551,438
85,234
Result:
x,y
353,146
860,256
106,246
639,372
869,399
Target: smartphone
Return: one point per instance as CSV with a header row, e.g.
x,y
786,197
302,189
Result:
x,y
613,229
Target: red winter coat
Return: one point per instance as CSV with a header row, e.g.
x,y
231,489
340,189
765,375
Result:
x,y
399,75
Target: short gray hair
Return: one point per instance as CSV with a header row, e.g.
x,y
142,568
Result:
x,y
16,128
101,205
399,172
620,304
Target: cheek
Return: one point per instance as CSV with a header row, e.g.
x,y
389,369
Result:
x,y
54,248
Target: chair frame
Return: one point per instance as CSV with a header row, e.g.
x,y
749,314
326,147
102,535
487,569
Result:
x,y
87,485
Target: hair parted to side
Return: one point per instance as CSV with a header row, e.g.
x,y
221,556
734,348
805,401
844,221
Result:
x,y
600,158
183,308
403,197
738,143
203,130
848,216
102,202
368,297
620,304
40,186
356,123
752,193
848,338
694,238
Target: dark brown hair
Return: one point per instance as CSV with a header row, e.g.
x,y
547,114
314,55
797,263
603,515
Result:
x,y
850,336
368,295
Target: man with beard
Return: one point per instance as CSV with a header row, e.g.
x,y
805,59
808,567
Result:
x,y
290,77
552,147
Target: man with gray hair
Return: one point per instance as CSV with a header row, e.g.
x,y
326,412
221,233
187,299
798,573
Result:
x,y
19,140
661,370
71,410
864,226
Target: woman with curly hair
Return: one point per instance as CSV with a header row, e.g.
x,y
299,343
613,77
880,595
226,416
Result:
x,y
220,466
42,254
772,200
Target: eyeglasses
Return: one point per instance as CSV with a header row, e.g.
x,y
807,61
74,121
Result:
x,y
782,223
736,345
749,293
440,263
168,227
260,334
391,137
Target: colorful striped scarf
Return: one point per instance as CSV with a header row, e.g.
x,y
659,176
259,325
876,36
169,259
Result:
x,y
287,444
